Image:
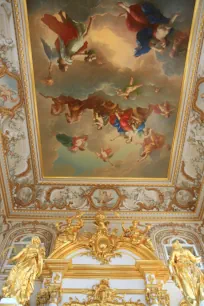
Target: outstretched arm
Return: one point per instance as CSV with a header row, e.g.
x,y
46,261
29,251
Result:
x,y
46,97
89,26
143,158
125,230
18,256
172,20
153,46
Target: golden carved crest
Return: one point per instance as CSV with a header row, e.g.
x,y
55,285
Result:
x,y
103,244
102,295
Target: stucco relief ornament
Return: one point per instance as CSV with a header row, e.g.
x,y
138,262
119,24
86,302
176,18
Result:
x,y
20,282
103,244
187,276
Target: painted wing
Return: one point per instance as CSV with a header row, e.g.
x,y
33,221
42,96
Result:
x,y
62,48
51,53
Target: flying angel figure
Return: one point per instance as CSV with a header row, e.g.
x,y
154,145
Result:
x,y
128,89
105,155
104,197
71,42
52,55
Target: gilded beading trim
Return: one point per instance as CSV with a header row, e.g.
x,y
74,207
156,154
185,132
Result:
x,y
195,106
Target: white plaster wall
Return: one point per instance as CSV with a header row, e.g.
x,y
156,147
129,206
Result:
x,y
87,283
127,258
37,287
175,294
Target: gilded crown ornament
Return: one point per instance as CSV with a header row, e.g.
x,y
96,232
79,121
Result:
x,y
20,282
186,274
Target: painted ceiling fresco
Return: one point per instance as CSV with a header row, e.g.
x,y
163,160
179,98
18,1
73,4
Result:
x,y
108,79
95,117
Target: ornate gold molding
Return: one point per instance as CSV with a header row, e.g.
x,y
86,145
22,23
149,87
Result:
x,y
119,291
49,294
102,294
104,244
195,106
156,294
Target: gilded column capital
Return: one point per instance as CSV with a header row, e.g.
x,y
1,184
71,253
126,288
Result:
x,y
155,294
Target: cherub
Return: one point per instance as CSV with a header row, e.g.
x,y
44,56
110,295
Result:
x,y
164,109
152,141
73,144
104,197
128,90
105,155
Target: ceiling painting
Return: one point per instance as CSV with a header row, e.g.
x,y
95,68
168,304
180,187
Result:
x,y
60,148
108,83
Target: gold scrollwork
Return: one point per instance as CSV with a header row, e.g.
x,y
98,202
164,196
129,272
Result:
x,y
27,170
155,294
102,294
50,294
195,106
185,174
25,194
5,92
